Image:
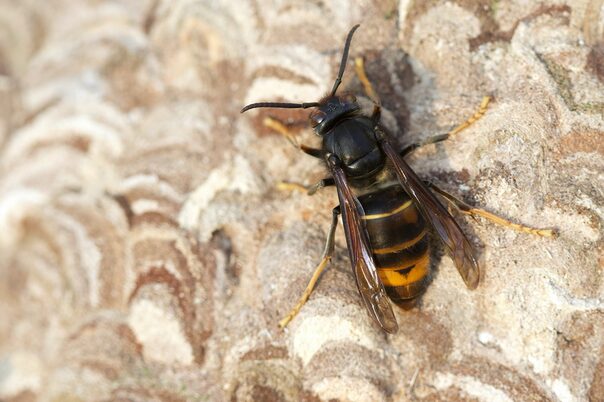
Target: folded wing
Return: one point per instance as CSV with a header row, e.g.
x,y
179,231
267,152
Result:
x,y
456,243
364,268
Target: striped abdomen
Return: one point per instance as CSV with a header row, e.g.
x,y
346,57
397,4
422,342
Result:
x,y
399,241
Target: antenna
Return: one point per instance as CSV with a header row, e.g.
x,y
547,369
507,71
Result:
x,y
306,105
344,59
280,105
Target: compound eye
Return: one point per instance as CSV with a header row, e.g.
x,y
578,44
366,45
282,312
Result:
x,y
317,117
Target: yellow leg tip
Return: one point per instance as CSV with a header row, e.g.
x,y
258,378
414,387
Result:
x,y
283,323
481,111
287,186
309,288
551,233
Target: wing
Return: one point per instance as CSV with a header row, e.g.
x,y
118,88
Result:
x,y
368,282
458,246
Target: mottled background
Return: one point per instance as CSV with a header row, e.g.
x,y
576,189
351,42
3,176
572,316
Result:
x,y
146,254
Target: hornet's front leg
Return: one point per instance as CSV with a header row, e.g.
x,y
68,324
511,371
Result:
x,y
282,129
359,67
310,190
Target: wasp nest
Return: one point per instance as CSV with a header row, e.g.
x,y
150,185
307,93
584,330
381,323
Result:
x,y
146,253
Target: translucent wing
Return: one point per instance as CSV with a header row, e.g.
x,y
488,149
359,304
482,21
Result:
x,y
368,282
458,246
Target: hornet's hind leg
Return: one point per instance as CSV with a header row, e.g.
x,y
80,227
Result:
x,y
327,253
469,210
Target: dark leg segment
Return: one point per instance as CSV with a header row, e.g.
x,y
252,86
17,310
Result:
x,y
431,140
310,190
327,253
377,114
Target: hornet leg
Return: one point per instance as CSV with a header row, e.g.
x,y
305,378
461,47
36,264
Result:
x,y
481,111
359,67
282,129
441,137
469,210
310,190
327,253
